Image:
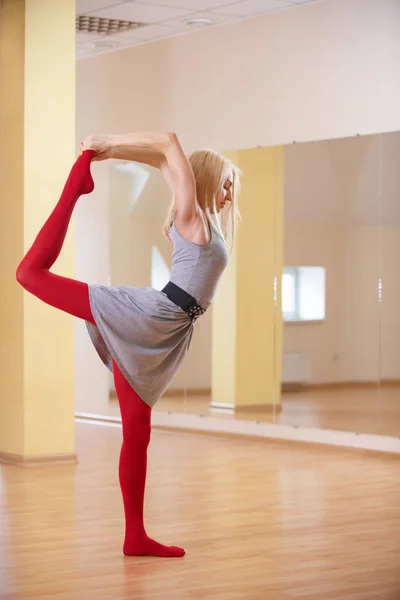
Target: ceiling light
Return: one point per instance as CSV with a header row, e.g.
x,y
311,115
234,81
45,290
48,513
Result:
x,y
98,26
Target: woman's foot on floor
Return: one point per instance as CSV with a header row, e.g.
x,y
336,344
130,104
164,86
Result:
x,y
145,546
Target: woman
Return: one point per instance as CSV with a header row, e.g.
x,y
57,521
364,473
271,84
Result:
x,y
143,334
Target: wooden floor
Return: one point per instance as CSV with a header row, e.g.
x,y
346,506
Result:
x,y
259,521
357,409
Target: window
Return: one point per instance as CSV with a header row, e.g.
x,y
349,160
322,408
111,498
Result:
x,y
303,293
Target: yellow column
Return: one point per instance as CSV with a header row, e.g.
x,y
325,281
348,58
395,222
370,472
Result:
x,y
37,149
247,319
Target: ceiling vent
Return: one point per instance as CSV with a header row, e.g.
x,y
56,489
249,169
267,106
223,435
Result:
x,y
97,26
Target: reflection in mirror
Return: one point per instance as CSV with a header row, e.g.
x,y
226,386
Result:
x,y
332,233
339,366
389,291
140,256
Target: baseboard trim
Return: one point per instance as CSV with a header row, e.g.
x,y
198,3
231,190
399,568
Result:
x,y
244,408
278,433
20,460
261,432
90,417
222,407
310,445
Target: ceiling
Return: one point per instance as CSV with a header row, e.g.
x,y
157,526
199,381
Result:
x,y
165,18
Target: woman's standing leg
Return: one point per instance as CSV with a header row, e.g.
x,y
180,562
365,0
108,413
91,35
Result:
x,y
136,429
33,272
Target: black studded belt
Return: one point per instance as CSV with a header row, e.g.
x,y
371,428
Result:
x,y
184,300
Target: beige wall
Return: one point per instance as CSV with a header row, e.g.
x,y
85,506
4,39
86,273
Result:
x,y
301,74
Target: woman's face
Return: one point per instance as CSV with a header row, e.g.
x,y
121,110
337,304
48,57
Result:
x,y
225,194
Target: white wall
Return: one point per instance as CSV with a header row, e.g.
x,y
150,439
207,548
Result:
x,y
323,70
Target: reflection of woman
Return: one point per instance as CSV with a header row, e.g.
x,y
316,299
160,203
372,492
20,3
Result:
x,y
143,334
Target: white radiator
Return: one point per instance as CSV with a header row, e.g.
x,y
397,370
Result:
x,y
296,368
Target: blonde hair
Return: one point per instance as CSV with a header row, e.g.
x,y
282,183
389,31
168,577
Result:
x,y
211,170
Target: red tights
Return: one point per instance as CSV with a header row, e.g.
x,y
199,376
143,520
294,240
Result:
x,y
73,297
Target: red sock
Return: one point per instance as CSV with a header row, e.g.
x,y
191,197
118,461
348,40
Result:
x,y
33,272
136,428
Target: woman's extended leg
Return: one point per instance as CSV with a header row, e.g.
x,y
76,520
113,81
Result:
x,y
33,272
136,429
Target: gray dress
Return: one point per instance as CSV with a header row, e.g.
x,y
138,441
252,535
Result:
x,y
146,334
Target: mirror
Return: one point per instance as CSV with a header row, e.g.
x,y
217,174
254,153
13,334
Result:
x,y
333,233
327,215
389,285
